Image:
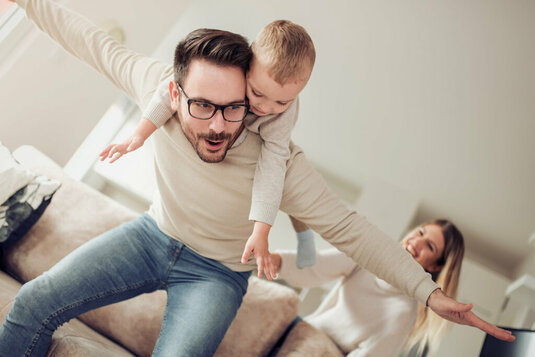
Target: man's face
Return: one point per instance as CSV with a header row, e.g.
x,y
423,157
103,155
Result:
x,y
214,84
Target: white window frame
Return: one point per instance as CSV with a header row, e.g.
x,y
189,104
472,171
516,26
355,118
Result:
x,y
16,34
15,37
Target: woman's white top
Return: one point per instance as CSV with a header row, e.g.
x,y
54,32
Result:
x,y
362,314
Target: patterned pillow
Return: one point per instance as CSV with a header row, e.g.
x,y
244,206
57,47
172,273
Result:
x,y
32,194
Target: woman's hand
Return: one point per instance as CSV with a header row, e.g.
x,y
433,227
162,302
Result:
x,y
460,313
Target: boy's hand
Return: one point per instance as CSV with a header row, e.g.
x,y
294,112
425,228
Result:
x,y
115,151
143,130
258,245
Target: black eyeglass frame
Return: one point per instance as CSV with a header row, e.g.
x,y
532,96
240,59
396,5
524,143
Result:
x,y
216,106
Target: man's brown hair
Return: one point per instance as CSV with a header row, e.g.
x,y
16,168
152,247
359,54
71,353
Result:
x,y
287,50
220,47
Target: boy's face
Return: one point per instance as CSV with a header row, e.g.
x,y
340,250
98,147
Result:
x,y
266,96
214,84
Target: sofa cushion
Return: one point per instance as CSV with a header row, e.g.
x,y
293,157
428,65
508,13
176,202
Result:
x,y
28,194
304,340
266,311
72,339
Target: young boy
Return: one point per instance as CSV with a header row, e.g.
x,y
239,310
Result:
x,y
283,58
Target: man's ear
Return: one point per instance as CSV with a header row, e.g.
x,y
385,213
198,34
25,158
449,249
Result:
x,y
173,95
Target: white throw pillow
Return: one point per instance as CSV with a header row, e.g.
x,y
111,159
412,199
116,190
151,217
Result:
x,y
13,176
24,195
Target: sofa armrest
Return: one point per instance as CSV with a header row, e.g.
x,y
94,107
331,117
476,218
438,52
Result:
x,y
76,214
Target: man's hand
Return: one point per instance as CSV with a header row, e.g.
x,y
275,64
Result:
x,y
459,313
258,245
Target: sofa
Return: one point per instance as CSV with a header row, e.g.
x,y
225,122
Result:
x,y
78,213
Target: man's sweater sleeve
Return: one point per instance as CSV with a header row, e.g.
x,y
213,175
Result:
x,y
135,74
307,198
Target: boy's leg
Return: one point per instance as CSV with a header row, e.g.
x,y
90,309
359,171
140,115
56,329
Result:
x,y
203,297
306,249
117,265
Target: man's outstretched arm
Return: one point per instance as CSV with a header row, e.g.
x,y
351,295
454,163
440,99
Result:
x,y
135,74
307,198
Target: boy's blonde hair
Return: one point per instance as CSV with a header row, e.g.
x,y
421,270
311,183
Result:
x,y
287,50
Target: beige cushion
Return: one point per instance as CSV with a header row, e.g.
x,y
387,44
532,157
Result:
x,y
267,310
72,339
305,340
78,213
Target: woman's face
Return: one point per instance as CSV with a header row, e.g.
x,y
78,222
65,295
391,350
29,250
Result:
x,y
426,245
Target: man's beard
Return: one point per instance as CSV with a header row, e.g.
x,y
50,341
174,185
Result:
x,y
196,140
209,157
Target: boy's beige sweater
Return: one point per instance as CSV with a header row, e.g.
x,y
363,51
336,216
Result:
x,y
205,205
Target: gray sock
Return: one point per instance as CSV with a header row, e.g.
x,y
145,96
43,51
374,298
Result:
x,y
306,249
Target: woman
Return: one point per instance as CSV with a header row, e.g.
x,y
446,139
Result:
x,y
364,315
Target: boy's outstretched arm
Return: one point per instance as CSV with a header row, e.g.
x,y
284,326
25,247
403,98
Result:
x,y
114,151
156,114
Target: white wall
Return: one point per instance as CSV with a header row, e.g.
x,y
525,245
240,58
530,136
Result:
x,y
527,266
434,97
52,101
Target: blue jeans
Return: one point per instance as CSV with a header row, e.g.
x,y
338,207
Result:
x,y
203,295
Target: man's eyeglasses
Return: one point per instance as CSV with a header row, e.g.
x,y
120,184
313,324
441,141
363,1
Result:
x,y
203,110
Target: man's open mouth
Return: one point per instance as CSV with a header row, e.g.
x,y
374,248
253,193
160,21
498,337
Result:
x,y
214,145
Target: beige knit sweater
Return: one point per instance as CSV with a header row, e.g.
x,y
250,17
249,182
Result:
x,y
206,205
275,131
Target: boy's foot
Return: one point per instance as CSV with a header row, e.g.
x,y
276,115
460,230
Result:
x,y
306,249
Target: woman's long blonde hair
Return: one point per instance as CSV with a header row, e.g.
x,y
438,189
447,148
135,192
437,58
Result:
x,y
429,327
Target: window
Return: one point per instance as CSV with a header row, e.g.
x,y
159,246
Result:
x,y
16,33
14,29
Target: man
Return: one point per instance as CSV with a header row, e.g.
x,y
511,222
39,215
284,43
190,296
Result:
x,y
191,240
